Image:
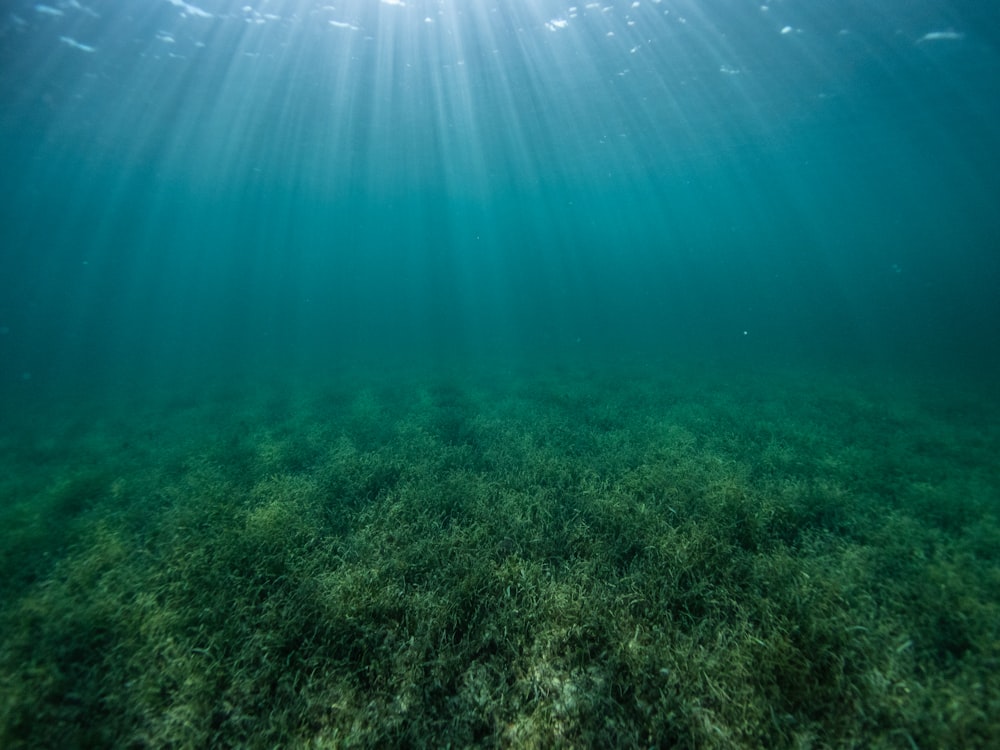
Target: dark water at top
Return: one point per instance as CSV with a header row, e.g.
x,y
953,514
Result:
x,y
224,186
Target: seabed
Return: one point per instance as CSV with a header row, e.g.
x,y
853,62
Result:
x,y
631,557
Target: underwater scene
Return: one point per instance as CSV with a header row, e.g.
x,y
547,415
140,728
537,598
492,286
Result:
x,y
499,373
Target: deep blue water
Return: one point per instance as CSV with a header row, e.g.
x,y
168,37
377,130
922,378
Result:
x,y
221,186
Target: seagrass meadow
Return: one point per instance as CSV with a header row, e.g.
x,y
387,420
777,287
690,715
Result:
x,y
638,555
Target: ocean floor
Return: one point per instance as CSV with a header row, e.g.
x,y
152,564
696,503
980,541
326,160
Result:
x,y
637,556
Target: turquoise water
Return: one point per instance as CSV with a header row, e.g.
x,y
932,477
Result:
x,y
503,374
232,186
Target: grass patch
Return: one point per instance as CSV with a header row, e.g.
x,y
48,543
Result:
x,y
546,560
